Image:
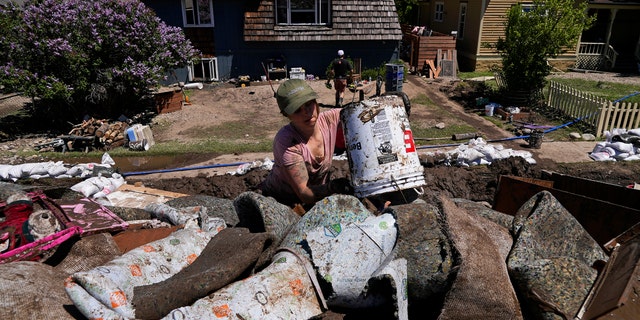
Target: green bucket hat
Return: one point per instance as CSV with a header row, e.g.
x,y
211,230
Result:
x,y
292,94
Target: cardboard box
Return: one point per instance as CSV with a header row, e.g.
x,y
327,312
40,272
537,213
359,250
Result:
x,y
138,132
523,115
297,75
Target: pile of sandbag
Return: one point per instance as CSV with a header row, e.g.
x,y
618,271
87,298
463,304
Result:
x,y
57,169
478,151
619,145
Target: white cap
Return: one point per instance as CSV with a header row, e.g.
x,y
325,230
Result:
x,y
340,53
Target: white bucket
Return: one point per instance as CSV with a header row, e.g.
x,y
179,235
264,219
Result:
x,y
380,147
488,110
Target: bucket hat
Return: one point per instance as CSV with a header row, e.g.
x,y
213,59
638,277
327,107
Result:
x,y
292,94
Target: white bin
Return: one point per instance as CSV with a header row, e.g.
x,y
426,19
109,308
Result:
x,y
380,147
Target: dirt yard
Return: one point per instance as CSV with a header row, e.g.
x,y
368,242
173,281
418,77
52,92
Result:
x,y
252,113
256,106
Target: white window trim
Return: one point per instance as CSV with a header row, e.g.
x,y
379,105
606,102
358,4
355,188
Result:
x,y
462,19
184,16
438,14
316,11
207,67
527,6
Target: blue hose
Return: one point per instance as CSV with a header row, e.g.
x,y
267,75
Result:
x,y
126,174
510,138
627,96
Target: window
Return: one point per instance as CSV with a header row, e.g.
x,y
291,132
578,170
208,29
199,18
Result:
x,y
205,70
439,14
197,13
527,7
308,12
531,8
462,19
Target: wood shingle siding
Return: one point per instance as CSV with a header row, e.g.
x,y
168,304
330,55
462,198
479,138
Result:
x,y
350,20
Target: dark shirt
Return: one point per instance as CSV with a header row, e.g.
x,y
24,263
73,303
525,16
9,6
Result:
x,y
341,68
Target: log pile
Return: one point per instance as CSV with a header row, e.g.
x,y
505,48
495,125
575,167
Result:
x,y
107,135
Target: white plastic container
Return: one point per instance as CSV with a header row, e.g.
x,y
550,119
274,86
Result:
x,y
488,110
380,147
297,75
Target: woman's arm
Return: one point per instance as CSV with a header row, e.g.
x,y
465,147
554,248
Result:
x,y
299,178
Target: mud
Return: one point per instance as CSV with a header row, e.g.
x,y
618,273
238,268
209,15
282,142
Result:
x,y
476,183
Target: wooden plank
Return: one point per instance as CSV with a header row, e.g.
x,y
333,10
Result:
x,y
133,238
613,295
131,196
597,190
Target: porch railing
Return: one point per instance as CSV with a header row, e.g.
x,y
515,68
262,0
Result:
x,y
596,56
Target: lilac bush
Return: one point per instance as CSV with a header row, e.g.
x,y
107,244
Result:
x,y
88,56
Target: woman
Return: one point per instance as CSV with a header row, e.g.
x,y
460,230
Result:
x,y
303,149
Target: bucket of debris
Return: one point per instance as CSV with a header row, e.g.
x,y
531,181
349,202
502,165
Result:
x,y
380,147
535,139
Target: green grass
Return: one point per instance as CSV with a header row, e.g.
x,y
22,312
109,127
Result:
x,y
608,90
430,135
164,149
475,74
434,136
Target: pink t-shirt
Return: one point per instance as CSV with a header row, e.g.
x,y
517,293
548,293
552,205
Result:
x,y
290,147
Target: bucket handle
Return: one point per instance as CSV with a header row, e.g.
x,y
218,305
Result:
x,y
421,192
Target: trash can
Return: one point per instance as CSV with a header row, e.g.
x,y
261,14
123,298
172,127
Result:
x,y
394,78
535,139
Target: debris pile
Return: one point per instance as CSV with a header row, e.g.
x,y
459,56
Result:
x,y
251,257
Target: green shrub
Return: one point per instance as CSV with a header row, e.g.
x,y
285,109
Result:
x,y
87,57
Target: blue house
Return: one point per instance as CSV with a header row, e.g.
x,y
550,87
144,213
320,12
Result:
x,y
271,37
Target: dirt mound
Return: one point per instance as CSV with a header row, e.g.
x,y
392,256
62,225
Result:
x,y
477,183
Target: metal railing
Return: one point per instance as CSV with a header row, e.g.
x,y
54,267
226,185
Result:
x,y
596,56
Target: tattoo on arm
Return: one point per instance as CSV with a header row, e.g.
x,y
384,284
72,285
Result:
x,y
300,179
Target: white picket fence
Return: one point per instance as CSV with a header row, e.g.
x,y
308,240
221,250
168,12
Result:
x,y
599,113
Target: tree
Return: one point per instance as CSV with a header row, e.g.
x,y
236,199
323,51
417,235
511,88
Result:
x,y
548,29
407,10
87,57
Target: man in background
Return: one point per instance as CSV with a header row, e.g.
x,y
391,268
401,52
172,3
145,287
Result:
x,y
340,70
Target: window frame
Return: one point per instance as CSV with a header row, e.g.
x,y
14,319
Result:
x,y
320,17
462,19
438,14
196,24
